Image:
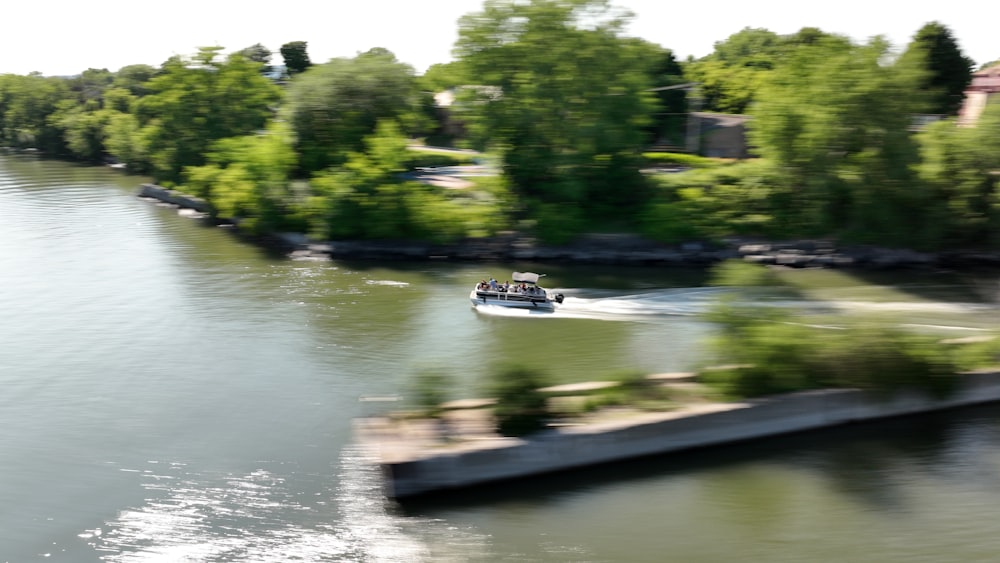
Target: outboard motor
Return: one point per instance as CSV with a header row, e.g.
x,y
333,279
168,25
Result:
x,y
559,298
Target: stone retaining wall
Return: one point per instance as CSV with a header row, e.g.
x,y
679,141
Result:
x,y
633,250
173,197
413,473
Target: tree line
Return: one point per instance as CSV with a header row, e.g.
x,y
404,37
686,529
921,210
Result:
x,y
567,104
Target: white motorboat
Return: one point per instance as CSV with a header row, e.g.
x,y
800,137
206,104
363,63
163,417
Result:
x,y
524,293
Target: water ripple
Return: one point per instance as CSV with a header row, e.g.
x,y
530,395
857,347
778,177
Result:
x,y
252,518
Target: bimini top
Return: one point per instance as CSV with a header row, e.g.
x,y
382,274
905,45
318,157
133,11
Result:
x,y
526,277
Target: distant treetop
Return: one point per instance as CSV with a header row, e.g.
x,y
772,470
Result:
x,y
296,57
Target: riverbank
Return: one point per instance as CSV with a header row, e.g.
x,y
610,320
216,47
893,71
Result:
x,y
611,249
427,457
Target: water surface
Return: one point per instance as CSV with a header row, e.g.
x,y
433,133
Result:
x,y
172,394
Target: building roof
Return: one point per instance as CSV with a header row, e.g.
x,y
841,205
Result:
x,y
986,80
988,71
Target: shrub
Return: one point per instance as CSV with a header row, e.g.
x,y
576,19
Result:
x,y
668,222
745,198
975,353
558,223
777,355
521,408
681,159
633,383
429,390
737,273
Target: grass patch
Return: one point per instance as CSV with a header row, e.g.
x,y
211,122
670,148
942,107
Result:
x,y
682,159
427,158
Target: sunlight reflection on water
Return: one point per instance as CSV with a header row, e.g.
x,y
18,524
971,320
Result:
x,y
193,517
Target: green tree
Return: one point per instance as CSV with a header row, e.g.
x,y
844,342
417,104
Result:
x,y
364,197
671,101
83,127
949,70
431,388
564,96
752,47
91,84
134,78
443,76
121,130
84,120
296,57
806,36
247,178
125,142
334,106
28,104
521,409
259,54
734,72
731,75
437,124
835,118
369,198
194,103
961,165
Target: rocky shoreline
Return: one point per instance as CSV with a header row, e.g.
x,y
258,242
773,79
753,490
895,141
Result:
x,y
608,249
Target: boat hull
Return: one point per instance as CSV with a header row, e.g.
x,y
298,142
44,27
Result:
x,y
513,300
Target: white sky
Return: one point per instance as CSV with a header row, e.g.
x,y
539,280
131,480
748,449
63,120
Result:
x,y
63,37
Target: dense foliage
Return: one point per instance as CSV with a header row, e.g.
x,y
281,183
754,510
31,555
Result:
x,y
959,167
765,350
842,143
333,106
521,408
565,103
730,77
949,71
565,98
194,103
296,57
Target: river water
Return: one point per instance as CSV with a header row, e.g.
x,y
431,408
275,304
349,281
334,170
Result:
x,y
168,393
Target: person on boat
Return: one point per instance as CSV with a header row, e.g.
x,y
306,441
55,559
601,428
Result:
x,y
493,284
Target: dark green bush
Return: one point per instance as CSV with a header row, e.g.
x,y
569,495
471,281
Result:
x,y
737,273
975,353
681,159
521,408
420,159
558,223
774,354
429,390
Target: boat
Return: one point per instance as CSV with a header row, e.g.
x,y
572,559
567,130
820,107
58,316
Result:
x,y
523,293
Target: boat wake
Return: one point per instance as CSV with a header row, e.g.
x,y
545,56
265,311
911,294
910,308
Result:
x,y
688,302
603,305
265,516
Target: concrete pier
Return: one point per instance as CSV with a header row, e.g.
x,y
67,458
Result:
x,y
415,465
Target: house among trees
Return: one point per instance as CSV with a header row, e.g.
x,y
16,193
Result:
x,y
985,83
719,135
